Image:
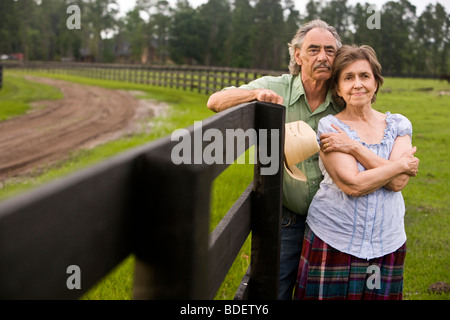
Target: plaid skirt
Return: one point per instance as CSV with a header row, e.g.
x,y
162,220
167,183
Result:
x,y
327,274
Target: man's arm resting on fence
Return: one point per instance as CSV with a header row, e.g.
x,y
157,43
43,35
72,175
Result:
x,y
225,99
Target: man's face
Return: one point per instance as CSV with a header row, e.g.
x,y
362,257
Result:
x,y
316,55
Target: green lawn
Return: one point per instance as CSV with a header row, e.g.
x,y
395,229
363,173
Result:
x,y
426,103
426,196
16,95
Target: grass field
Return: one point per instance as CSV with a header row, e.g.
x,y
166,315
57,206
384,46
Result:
x,y
16,95
426,196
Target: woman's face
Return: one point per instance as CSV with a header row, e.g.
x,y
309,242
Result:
x,y
357,84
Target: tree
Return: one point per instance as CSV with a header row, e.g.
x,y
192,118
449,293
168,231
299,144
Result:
x,y
337,14
313,9
291,26
156,30
239,40
188,35
217,17
432,30
28,33
395,45
9,27
160,26
133,33
100,23
267,28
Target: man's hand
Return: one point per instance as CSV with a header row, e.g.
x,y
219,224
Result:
x,y
268,95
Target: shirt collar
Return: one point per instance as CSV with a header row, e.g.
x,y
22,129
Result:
x,y
297,83
297,93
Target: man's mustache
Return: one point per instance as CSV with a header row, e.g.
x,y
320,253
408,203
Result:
x,y
322,65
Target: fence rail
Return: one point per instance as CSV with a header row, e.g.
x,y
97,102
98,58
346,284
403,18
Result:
x,y
141,203
193,78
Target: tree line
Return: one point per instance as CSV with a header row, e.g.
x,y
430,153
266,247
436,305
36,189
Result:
x,y
233,33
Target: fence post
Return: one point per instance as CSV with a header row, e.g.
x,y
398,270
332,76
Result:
x,y
266,211
172,229
1,75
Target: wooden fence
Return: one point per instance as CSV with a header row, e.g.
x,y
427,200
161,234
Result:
x,y
140,203
193,78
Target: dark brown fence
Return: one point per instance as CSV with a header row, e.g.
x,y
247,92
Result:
x,y
193,78
140,203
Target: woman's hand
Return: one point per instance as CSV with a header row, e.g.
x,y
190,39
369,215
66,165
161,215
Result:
x,y
337,141
410,162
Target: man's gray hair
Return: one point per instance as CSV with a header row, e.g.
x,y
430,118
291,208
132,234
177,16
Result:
x,y
297,41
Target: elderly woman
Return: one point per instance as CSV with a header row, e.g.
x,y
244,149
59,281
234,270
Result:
x,y
354,244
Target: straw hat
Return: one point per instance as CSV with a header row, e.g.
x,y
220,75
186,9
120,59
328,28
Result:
x,y
300,143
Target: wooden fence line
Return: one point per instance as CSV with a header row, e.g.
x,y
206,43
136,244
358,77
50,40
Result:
x,y
193,78
141,203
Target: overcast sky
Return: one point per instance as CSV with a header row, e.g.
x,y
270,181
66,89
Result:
x,y
126,5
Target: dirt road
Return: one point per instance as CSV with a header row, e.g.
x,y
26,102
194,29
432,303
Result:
x,y
84,116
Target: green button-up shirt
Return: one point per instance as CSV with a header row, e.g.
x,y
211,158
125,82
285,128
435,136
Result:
x,y
297,195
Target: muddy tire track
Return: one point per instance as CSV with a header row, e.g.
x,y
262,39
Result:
x,y
44,135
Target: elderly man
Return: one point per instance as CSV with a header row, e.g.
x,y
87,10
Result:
x,y
304,92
